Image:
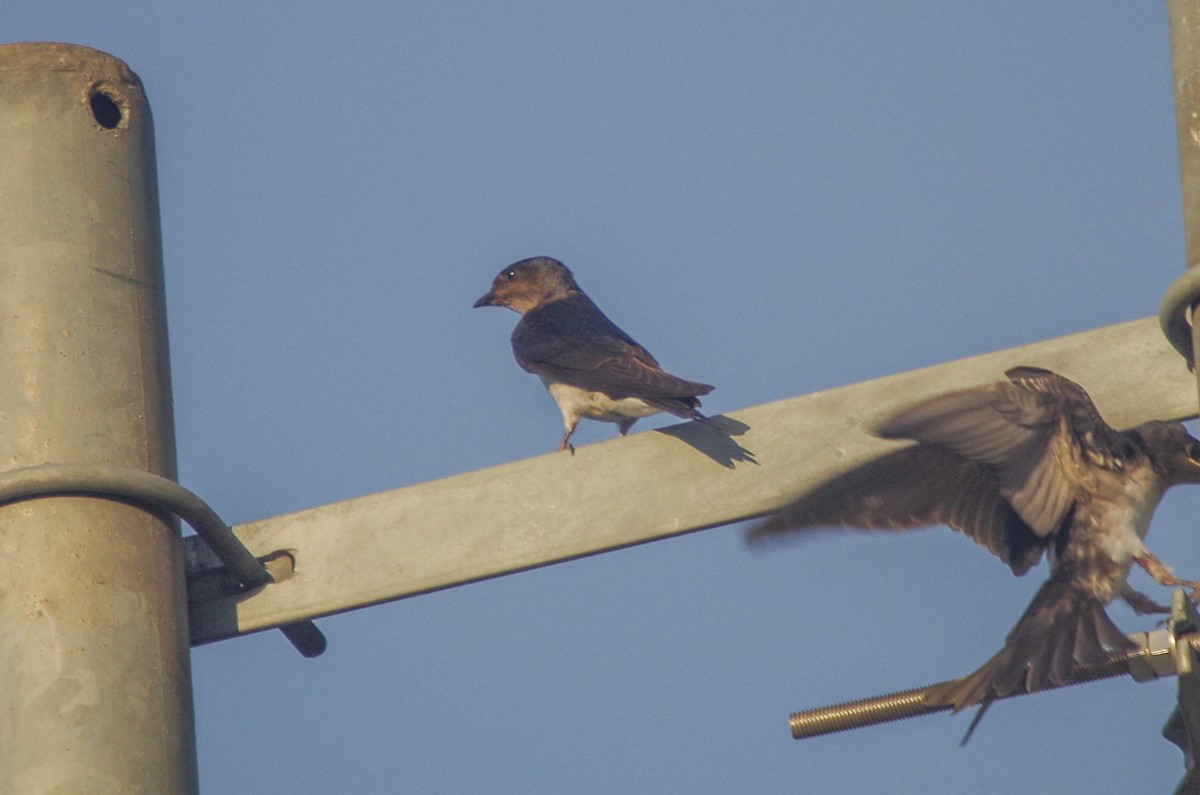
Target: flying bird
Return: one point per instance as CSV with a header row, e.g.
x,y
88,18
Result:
x,y
1024,467
590,366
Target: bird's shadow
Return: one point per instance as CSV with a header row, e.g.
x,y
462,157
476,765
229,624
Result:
x,y
714,438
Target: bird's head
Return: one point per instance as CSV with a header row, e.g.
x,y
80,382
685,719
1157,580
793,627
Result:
x,y
1174,452
529,283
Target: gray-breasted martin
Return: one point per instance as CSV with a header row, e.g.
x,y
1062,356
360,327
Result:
x,y
1024,467
591,367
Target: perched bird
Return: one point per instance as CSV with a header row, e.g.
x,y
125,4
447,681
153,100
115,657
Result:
x,y
1023,466
590,367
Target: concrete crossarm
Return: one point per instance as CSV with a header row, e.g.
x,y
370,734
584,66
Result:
x,y
647,486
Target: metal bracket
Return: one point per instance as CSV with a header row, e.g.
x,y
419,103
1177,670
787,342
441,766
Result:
x,y
1161,653
155,493
1183,727
1175,312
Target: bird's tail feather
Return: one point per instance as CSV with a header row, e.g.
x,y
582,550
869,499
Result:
x,y
685,408
725,425
1064,626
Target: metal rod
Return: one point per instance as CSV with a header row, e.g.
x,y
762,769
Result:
x,y
157,492
863,712
109,481
95,685
1152,660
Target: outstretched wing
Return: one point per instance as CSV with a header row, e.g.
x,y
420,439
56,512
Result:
x,y
571,341
1032,432
916,487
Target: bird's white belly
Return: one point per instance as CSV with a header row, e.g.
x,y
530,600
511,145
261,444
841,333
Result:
x,y
1130,521
596,405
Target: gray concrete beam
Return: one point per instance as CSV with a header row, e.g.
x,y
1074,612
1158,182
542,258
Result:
x,y
647,486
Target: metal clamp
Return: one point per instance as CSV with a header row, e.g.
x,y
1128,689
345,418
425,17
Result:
x,y
1175,311
1155,656
144,489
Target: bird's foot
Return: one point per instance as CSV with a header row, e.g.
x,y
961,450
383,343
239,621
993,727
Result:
x,y
1163,575
1141,604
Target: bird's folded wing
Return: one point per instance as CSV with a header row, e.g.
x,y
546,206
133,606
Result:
x,y
573,342
916,487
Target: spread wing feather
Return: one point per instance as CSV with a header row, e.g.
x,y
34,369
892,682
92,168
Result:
x,y
995,463
919,486
1030,431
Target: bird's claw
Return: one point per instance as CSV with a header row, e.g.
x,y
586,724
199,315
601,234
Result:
x,y
1141,604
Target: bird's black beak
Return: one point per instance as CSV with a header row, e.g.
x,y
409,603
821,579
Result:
x,y
487,300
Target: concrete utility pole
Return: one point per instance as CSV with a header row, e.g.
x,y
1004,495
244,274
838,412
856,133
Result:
x,y
95,688
1177,313
1184,19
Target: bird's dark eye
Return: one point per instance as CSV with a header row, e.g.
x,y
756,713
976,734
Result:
x,y
1193,452
510,274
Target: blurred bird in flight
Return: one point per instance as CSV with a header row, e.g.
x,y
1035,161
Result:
x,y
1024,467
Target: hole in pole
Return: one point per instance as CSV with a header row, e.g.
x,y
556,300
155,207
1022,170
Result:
x,y
105,109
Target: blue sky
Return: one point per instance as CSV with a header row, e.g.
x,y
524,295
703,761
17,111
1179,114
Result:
x,y
773,197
